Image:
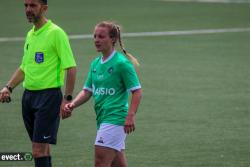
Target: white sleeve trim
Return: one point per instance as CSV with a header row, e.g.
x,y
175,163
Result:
x,y
86,88
134,88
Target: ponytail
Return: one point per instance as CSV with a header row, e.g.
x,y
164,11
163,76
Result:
x,y
129,56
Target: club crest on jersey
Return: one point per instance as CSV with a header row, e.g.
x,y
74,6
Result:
x,y
39,57
110,70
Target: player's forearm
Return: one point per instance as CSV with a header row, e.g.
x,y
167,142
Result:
x,y
16,78
70,80
135,101
81,98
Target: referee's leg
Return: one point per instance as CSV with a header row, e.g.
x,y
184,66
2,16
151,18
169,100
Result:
x,y
41,154
41,118
46,126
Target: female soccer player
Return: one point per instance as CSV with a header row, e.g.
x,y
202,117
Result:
x,y
110,79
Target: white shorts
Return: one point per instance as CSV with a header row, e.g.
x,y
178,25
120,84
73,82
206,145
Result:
x,y
111,136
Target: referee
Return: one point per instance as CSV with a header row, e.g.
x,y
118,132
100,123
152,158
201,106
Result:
x,y
47,56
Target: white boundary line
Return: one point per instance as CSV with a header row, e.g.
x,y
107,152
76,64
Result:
x,y
210,1
147,34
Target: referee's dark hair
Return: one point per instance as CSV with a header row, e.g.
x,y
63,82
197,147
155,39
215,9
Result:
x,y
44,2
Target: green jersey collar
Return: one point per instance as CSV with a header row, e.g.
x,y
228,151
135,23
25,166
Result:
x,y
44,27
109,57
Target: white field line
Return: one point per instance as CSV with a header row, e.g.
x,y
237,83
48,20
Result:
x,y
147,34
210,1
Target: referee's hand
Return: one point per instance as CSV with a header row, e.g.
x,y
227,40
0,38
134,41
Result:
x,y
5,95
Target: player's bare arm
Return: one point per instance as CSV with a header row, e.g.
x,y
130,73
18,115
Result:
x,y
130,120
80,99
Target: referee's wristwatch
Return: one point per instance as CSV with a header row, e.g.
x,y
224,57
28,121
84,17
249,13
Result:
x,y
68,97
9,88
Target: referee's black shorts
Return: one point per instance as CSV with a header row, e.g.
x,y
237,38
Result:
x,y
40,111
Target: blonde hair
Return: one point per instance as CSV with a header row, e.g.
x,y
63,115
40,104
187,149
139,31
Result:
x,y
115,32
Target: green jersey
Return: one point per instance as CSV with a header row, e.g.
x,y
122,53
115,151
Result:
x,y
47,54
110,83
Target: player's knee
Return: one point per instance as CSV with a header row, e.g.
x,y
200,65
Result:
x,y
98,161
119,165
101,161
119,162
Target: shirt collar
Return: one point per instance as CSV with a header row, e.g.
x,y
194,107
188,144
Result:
x,y
109,57
44,27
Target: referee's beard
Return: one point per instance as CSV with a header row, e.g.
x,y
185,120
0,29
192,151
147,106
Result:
x,y
32,18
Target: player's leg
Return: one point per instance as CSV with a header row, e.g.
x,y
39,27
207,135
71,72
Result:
x,y
120,160
104,156
110,140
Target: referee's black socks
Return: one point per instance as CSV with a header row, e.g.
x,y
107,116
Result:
x,y
43,161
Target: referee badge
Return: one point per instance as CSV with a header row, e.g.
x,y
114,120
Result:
x,y
39,57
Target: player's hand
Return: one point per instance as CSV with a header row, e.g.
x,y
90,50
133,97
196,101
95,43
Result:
x,y
129,126
63,113
5,95
69,107
66,109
